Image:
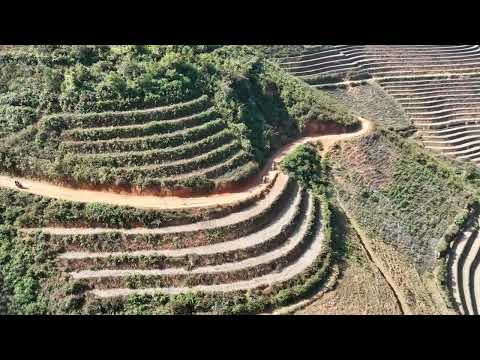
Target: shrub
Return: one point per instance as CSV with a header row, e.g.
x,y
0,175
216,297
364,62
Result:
x,y
182,304
15,118
197,182
304,164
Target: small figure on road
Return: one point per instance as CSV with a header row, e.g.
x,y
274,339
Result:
x,y
19,185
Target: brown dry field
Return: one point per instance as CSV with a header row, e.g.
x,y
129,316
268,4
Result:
x,y
419,295
360,290
420,299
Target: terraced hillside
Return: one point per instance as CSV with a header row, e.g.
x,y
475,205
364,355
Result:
x,y
262,254
436,86
179,121
173,147
464,268
154,119
382,61
124,124
445,111
251,254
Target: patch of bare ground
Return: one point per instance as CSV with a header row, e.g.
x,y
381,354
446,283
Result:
x,y
361,289
414,295
371,101
373,165
435,292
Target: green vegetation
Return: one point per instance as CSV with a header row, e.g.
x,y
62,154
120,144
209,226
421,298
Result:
x,y
15,118
170,101
305,165
25,266
58,105
30,281
277,51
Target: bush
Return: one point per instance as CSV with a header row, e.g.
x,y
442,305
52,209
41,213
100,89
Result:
x,y
149,157
304,164
197,182
15,118
183,304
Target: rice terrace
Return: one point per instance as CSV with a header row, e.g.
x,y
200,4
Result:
x,y
229,180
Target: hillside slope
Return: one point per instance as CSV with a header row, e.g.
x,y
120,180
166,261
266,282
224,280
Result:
x,y
405,202
235,231
168,120
370,101
164,118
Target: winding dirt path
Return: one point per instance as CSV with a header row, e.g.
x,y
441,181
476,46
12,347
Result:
x,y
392,77
173,202
90,196
286,216
302,263
251,262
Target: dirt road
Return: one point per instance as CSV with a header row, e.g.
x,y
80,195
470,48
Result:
x,y
172,202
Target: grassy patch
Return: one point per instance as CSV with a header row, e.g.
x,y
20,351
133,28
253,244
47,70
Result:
x,y
399,193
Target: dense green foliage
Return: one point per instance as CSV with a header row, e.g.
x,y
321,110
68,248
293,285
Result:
x,y
304,165
274,51
264,104
23,267
15,118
